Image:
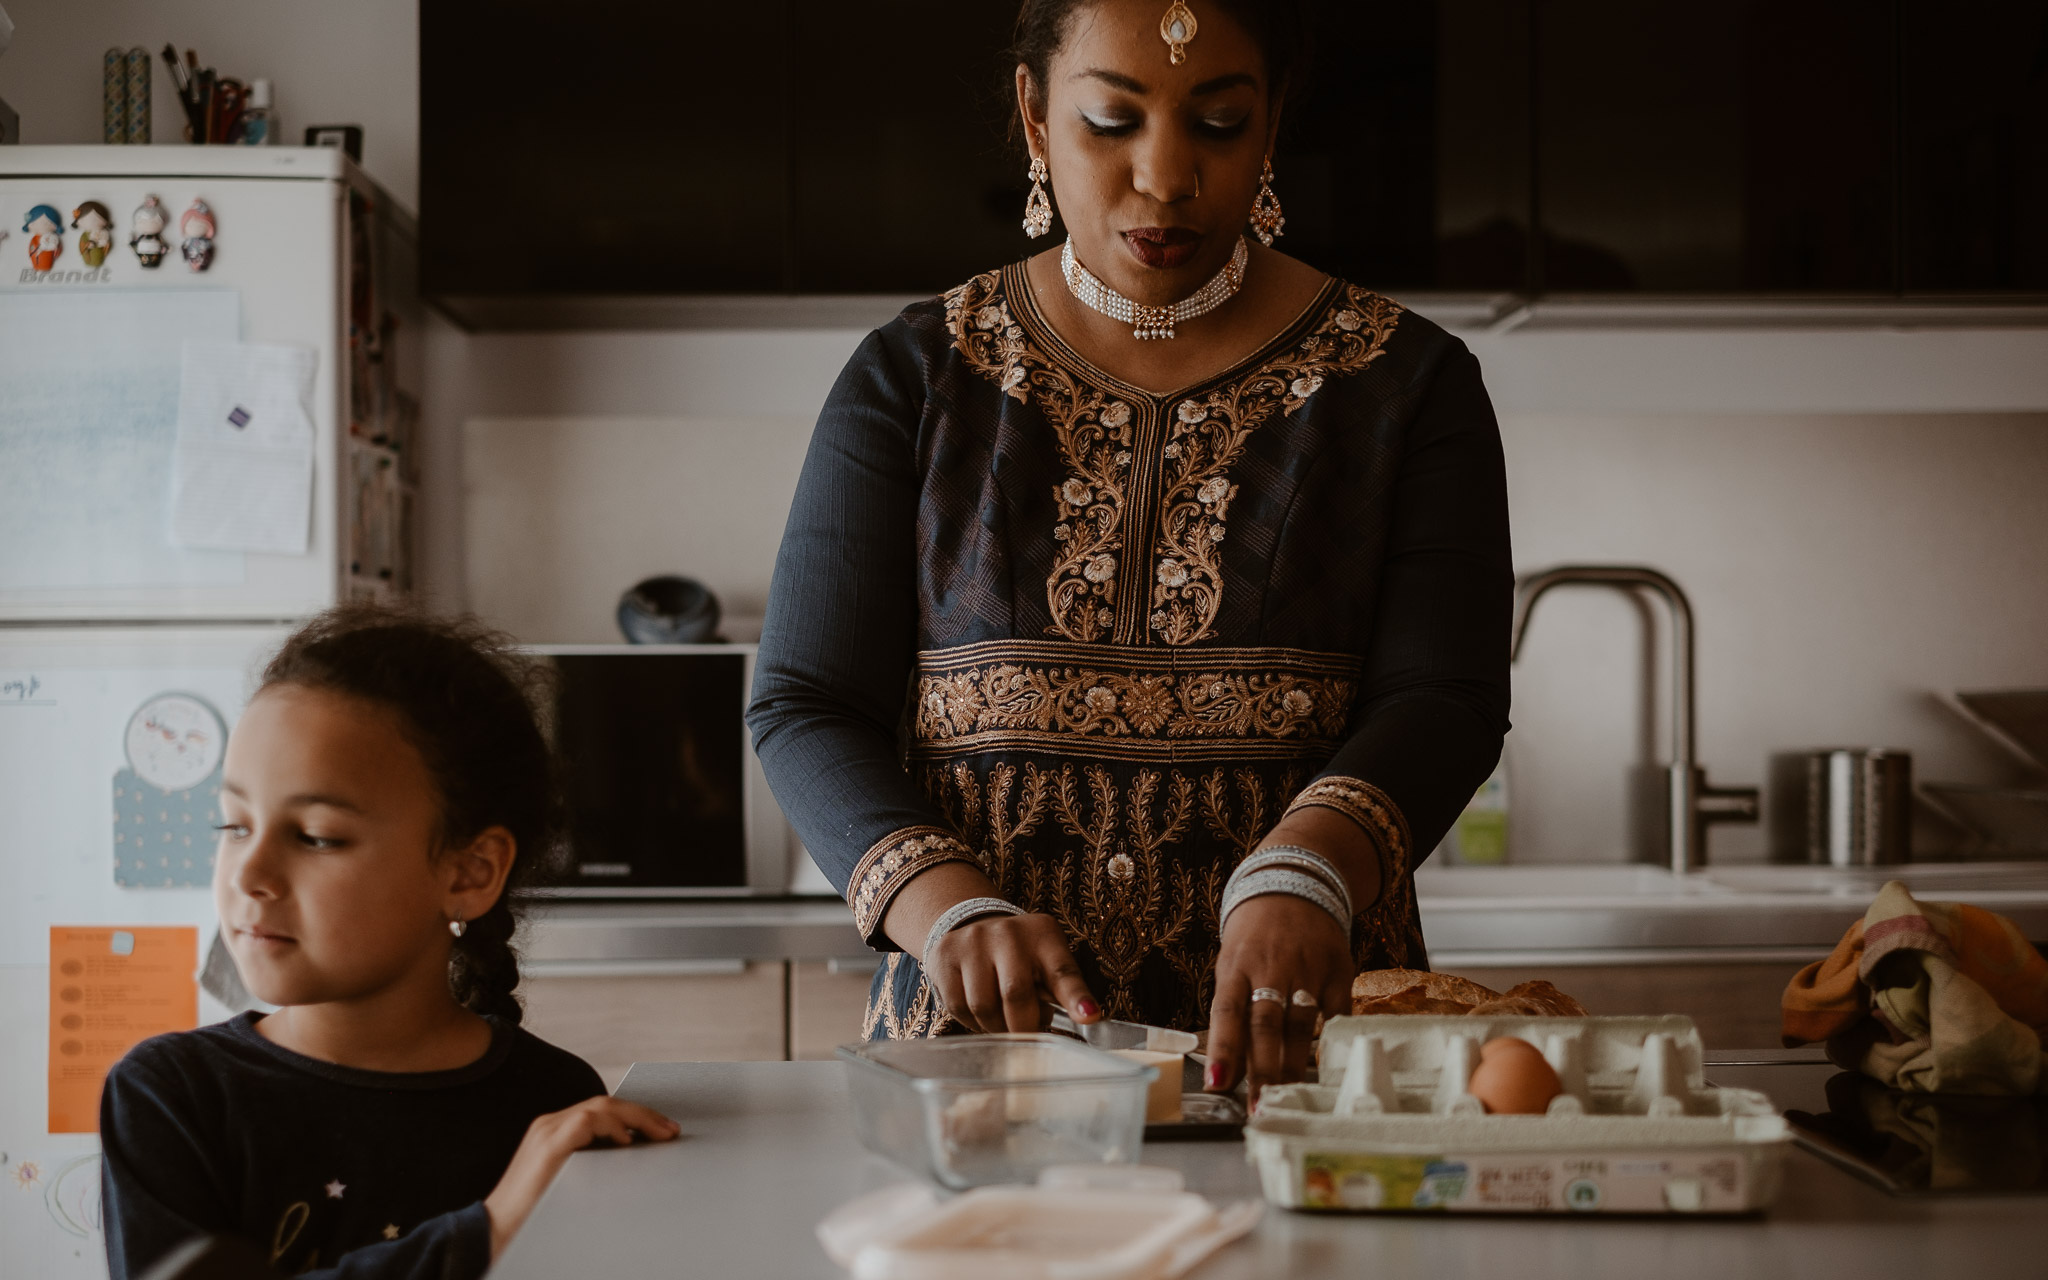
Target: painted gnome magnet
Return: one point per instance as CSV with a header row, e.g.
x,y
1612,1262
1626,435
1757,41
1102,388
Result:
x,y
196,225
148,238
95,232
45,228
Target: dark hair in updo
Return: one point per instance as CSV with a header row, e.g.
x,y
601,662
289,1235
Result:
x,y
466,699
1278,27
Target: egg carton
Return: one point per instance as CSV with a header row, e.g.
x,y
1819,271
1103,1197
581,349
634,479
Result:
x,y
1391,1125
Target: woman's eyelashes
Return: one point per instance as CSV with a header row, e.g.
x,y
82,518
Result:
x,y
1222,128
1105,125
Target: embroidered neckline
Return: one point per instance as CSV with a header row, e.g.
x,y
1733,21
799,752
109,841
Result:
x,y
1016,283
1148,474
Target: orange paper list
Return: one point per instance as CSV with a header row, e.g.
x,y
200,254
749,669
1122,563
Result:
x,y
110,988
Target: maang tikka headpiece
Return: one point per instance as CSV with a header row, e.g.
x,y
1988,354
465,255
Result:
x,y
1178,28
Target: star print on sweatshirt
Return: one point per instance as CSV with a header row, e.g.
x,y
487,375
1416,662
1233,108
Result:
x,y
219,1131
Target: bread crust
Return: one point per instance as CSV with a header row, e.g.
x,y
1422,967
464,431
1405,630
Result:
x,y
1379,991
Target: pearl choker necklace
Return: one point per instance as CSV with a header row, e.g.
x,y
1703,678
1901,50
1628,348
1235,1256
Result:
x,y
1153,322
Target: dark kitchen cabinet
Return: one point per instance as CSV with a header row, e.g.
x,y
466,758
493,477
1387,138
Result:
x,y
1974,77
1535,147
1734,148
640,149
905,177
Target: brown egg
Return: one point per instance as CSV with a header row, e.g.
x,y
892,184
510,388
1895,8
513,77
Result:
x,y
1513,1079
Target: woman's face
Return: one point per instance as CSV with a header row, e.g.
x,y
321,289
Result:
x,y
1154,166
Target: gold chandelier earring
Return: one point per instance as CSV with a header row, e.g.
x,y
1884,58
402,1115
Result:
x,y
1038,206
1267,220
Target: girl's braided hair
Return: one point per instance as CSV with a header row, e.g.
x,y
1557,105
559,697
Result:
x,y
469,702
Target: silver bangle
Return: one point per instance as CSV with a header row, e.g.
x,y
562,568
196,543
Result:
x,y
1293,855
960,913
1297,884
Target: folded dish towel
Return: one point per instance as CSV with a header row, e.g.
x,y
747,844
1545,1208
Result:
x,y
1928,997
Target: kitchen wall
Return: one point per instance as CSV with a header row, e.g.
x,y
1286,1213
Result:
x,y
329,63
1856,513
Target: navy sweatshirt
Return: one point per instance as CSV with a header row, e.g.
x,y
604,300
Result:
x,y
328,1170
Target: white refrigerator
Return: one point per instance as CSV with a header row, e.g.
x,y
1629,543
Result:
x,y
128,645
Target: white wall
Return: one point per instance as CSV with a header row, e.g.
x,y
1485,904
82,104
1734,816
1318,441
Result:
x,y
329,62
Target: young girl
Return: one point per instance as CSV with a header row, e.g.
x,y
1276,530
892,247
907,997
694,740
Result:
x,y
391,1119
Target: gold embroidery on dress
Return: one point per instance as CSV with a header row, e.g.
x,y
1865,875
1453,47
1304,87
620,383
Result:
x,y
1140,885
924,1017
1369,807
1387,927
1120,895
1094,434
890,864
1004,694
1209,435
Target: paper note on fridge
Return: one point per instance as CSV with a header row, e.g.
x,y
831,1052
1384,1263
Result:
x,y
242,473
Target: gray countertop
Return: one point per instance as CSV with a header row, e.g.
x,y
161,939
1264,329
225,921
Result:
x,y
766,1151
1470,915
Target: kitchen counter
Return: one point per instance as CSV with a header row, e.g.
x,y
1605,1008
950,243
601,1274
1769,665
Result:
x,y
1471,916
767,1150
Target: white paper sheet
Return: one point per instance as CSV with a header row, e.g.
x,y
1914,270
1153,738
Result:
x,y
242,474
88,420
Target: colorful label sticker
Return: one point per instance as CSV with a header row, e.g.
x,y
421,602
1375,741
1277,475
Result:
x,y
1525,1183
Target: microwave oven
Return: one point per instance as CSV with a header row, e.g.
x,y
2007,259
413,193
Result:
x,y
663,794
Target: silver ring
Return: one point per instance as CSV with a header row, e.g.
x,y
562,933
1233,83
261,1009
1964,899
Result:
x,y
1267,993
1306,999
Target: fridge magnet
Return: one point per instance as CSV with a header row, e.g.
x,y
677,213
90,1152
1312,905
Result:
x,y
45,228
148,228
196,225
95,231
166,800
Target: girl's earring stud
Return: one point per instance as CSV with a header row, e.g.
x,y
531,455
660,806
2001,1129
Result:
x,y
1038,206
458,926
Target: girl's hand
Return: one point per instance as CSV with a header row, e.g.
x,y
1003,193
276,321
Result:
x,y
998,973
549,1141
1289,944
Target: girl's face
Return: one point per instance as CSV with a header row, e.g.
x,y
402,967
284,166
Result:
x,y
327,880
91,221
41,225
1154,166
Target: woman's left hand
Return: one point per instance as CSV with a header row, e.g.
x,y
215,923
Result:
x,y
1290,945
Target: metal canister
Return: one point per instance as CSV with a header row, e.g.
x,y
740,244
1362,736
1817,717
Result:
x,y
1857,803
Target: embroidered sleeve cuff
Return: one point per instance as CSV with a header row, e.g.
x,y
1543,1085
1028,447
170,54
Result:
x,y
890,865
1374,811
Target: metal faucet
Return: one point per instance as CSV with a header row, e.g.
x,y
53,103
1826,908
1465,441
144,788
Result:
x,y
1693,804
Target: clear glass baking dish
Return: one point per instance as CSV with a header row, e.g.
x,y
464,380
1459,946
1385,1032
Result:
x,y
970,1111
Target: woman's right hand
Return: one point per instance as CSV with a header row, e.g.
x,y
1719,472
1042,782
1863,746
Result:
x,y
1004,973
550,1141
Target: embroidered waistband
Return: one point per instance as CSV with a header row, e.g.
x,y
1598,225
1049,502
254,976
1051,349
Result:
x,y
1132,703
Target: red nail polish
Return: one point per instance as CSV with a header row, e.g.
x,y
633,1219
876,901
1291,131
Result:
x,y
1087,1009
1212,1076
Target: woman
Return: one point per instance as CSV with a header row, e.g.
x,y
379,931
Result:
x,y
1195,562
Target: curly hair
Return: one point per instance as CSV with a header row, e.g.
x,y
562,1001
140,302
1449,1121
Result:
x,y
468,700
